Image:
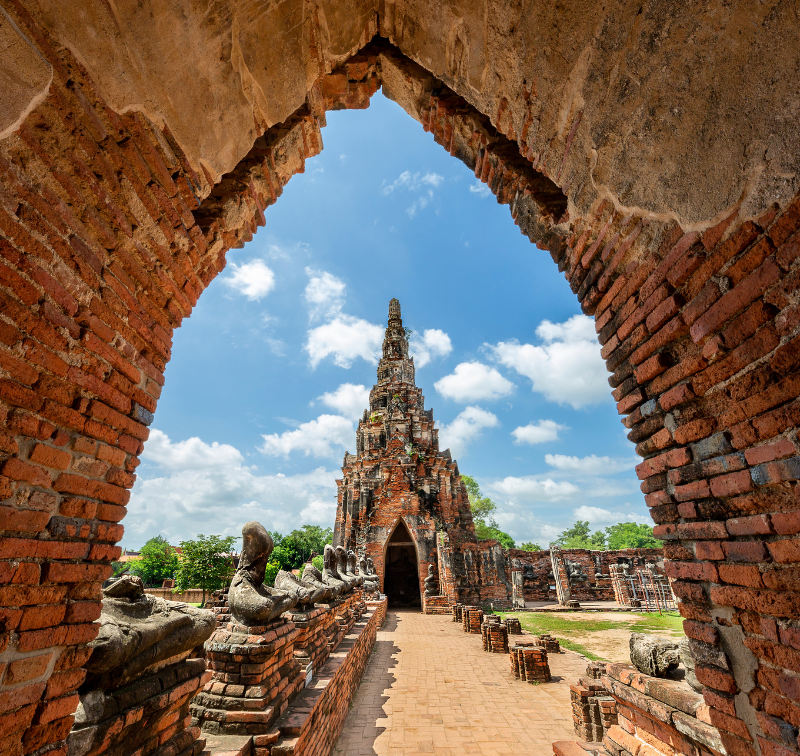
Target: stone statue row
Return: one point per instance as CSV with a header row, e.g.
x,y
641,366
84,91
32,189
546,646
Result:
x,y
254,604
137,630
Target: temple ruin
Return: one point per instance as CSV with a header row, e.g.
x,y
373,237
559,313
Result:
x,y
651,149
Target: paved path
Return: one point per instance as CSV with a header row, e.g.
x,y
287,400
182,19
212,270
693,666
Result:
x,y
430,688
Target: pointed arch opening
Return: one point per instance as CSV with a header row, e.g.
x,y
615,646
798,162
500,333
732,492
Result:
x,y
401,582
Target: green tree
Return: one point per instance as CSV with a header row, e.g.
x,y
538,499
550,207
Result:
x,y
579,537
205,563
631,535
530,546
311,538
156,562
318,562
482,510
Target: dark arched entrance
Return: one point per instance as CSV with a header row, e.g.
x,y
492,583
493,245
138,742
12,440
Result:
x,y
401,575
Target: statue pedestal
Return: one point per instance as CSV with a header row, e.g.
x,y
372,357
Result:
x,y
347,610
254,674
314,628
149,715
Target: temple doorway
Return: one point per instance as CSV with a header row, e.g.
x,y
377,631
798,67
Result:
x,y
401,575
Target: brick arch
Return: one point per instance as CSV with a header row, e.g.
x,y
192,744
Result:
x,y
385,551
108,236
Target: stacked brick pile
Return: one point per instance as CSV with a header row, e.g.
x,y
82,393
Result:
x,y
254,674
346,610
513,626
457,609
548,643
593,710
147,718
494,636
529,663
218,605
472,619
315,719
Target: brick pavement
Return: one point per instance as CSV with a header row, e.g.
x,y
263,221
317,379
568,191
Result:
x,y
430,688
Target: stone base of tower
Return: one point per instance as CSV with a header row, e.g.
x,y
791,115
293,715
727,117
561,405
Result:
x,y
436,605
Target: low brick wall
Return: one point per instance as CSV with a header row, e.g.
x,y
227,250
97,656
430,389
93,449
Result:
x,y
649,716
436,605
192,596
315,719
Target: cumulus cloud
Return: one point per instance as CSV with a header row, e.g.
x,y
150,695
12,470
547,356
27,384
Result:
x,y
533,488
324,294
566,368
538,433
345,338
466,427
591,465
412,181
349,400
189,487
433,342
318,437
252,279
601,516
473,381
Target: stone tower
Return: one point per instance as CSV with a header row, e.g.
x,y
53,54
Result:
x,y
401,500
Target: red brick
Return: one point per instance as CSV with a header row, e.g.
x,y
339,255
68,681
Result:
x,y
676,396
730,485
706,531
786,523
744,526
769,452
750,289
50,457
29,668
57,708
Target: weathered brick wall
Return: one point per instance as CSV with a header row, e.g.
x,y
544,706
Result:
x,y
108,236
537,571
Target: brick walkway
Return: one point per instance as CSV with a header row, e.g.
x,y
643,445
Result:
x,y
430,688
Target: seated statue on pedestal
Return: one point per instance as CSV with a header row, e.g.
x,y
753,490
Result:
x,y
308,594
137,631
352,568
312,576
431,583
341,568
330,576
371,582
251,602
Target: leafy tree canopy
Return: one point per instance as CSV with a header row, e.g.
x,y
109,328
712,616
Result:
x,y
156,562
294,550
205,563
631,535
530,546
579,537
482,510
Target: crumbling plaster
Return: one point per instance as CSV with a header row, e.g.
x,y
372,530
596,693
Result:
x,y
657,102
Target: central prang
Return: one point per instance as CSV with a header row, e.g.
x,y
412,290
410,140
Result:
x,y
401,501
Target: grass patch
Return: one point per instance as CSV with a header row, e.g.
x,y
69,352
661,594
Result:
x,y
572,629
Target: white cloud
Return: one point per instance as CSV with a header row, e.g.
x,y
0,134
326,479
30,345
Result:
x,y
473,381
324,294
190,487
538,433
567,369
349,399
465,428
317,437
412,182
191,454
252,279
533,488
591,465
432,343
482,190
600,516
345,338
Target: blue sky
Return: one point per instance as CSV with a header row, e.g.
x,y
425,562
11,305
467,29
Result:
x,y
271,372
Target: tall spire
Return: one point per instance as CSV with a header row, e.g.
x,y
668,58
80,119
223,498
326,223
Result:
x,y
395,363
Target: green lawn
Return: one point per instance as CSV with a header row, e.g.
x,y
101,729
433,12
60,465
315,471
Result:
x,y
566,627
